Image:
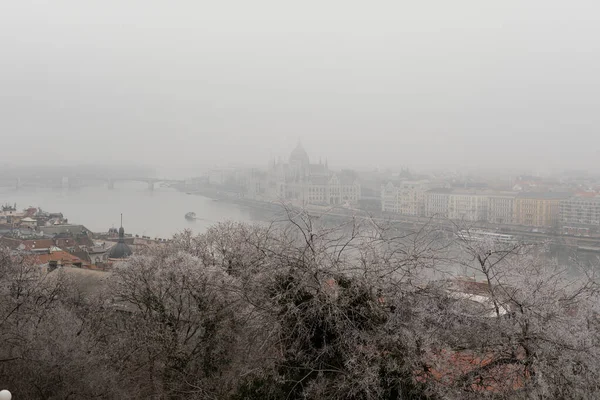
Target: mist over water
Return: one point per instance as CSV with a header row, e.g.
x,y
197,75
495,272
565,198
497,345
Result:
x,y
158,213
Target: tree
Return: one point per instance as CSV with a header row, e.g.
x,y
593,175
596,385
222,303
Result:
x,y
180,333
304,308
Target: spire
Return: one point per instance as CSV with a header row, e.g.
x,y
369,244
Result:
x,y
120,250
121,231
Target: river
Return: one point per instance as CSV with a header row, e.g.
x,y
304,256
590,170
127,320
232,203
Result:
x,y
158,213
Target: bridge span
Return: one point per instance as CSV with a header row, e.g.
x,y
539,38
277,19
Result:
x,y
151,182
67,182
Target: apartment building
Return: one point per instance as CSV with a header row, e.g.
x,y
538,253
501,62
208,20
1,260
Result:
x,y
406,198
538,209
467,206
500,208
580,214
436,202
389,198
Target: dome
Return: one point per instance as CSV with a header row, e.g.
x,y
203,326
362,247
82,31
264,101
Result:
x,y
120,250
299,155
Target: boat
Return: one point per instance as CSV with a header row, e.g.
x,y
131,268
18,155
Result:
x,y
190,216
591,249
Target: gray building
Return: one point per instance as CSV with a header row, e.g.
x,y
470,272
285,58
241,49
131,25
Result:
x,y
436,202
580,214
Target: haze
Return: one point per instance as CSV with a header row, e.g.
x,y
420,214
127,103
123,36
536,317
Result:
x,y
365,84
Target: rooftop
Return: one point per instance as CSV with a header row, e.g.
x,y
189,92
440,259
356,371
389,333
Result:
x,y
544,195
62,257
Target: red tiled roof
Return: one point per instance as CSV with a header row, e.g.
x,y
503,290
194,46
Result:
x,y
38,244
61,256
489,372
65,242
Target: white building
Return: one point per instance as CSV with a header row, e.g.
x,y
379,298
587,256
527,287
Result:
x,y
436,202
29,222
467,206
389,198
406,198
501,208
306,183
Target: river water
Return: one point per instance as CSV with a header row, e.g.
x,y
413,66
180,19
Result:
x,y
158,213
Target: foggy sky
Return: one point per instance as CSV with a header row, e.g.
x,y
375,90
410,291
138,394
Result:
x,y
378,83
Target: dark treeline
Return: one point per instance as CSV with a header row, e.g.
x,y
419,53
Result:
x,y
299,311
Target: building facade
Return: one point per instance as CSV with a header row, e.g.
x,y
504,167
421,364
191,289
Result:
x,y
538,209
466,206
389,198
412,198
406,198
304,183
501,208
436,203
580,214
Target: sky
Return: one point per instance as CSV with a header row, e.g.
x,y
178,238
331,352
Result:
x,y
386,84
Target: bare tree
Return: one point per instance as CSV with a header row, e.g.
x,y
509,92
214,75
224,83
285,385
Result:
x,y
306,308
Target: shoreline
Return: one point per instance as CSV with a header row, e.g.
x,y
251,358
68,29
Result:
x,y
584,243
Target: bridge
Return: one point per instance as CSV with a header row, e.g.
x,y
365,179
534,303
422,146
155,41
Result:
x,y
78,181
151,182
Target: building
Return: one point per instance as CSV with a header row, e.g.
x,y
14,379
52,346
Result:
x,y
411,196
29,222
343,188
501,208
304,183
538,209
38,245
64,229
580,214
121,250
98,253
406,197
389,198
10,215
468,206
60,257
336,189
436,202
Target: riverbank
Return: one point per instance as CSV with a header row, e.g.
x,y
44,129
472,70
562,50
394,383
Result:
x,y
529,234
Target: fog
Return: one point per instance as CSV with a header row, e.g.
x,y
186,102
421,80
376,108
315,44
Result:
x,y
365,84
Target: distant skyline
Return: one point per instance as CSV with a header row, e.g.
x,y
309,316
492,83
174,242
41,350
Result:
x,y
462,85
